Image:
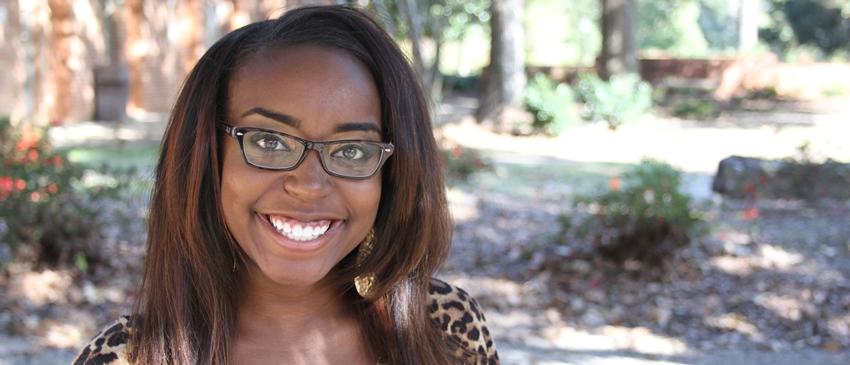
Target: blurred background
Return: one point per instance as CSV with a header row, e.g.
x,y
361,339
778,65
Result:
x,y
632,181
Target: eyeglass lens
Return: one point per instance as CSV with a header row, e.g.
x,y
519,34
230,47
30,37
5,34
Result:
x,y
345,158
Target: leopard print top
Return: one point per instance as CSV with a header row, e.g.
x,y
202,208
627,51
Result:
x,y
452,309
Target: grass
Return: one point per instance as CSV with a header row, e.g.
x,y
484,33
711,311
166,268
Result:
x,y
529,176
836,90
137,155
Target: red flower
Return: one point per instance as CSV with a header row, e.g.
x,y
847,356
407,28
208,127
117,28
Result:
x,y
6,184
29,139
32,155
20,184
457,152
614,183
58,161
52,188
479,163
751,213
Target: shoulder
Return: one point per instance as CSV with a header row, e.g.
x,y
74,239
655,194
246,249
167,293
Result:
x,y
108,347
461,319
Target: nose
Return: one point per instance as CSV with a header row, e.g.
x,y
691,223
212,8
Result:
x,y
308,181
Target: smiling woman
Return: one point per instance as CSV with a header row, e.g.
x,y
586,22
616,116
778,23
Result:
x,y
299,211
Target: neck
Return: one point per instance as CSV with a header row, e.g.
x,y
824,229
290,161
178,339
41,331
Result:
x,y
268,307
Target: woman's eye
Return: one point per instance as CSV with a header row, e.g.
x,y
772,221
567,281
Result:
x,y
350,152
270,142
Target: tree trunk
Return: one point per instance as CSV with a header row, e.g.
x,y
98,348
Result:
x,y
502,100
11,55
133,19
619,48
420,22
748,28
414,23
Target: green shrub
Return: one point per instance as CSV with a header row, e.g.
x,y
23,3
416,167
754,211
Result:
x,y
461,163
643,217
48,203
622,99
696,108
461,84
836,90
553,105
765,93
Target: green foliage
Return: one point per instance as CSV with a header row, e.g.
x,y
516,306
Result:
x,y
802,177
461,84
48,203
696,108
671,26
553,105
622,99
820,23
461,15
559,32
836,90
461,163
824,24
768,93
643,217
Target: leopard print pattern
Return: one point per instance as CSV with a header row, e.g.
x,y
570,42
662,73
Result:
x,y
450,308
108,346
461,319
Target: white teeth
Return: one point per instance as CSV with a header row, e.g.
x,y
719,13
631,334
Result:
x,y
298,232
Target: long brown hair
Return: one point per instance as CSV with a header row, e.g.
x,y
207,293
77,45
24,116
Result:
x,y
186,307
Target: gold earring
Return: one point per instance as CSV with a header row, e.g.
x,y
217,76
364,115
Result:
x,y
363,283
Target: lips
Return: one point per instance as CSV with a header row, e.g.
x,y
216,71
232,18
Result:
x,y
297,230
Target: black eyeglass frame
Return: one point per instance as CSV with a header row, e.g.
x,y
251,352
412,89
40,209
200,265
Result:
x,y
238,133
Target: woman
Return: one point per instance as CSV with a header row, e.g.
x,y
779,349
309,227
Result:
x,y
299,211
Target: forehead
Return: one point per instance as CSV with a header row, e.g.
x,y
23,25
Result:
x,y
308,82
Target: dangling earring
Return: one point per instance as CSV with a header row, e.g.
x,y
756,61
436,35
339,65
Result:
x,y
363,283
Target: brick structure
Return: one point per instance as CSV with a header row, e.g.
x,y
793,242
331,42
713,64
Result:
x,y
737,76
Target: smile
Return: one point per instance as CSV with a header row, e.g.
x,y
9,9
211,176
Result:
x,y
297,230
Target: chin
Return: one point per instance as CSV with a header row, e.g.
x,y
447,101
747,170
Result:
x,y
294,274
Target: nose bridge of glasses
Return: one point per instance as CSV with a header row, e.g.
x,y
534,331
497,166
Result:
x,y
315,146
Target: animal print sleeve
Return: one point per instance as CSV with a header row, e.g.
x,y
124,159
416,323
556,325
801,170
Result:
x,y
108,347
461,319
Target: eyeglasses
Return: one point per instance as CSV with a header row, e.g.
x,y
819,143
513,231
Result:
x,y
271,150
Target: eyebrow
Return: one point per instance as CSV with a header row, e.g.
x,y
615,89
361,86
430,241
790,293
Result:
x,y
295,123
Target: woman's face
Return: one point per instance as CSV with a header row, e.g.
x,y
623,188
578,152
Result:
x,y
296,225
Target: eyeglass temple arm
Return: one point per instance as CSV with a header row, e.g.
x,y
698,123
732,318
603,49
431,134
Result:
x,y
229,129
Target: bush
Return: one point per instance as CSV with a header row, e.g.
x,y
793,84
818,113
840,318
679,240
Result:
x,y
642,218
622,99
765,93
696,108
461,163
47,203
553,105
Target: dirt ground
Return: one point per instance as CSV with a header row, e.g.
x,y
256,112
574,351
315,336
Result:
x,y
773,289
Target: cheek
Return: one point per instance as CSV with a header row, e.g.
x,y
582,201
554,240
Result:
x,y
366,198
234,187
